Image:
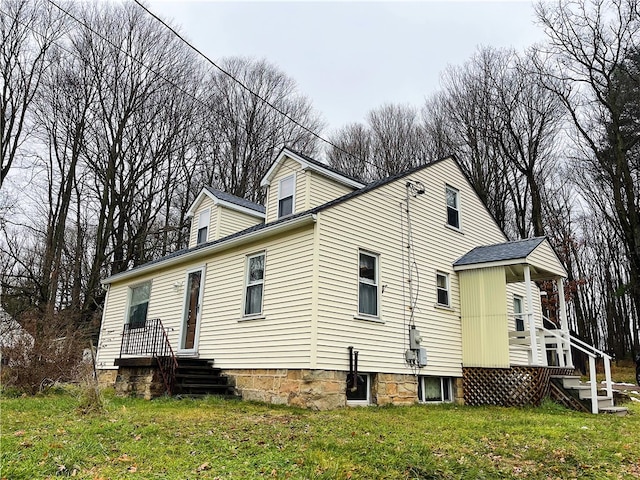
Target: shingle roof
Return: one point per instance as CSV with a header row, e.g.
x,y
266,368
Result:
x,y
326,167
243,202
499,252
348,196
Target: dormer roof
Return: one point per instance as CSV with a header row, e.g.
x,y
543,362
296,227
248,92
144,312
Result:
x,y
308,163
227,200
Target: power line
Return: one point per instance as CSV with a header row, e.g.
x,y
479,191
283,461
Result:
x,y
242,85
199,52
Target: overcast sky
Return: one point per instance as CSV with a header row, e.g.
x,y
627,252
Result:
x,y
350,57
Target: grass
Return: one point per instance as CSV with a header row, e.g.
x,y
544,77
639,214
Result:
x,y
50,436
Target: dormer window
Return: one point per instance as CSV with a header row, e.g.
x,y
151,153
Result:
x,y
286,190
203,227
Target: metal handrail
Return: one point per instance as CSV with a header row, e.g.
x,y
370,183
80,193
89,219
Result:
x,y
151,339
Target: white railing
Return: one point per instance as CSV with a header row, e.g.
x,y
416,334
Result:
x,y
562,343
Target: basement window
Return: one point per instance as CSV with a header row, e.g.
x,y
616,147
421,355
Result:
x,y
435,390
361,395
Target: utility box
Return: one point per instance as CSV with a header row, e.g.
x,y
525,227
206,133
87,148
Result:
x,y
422,357
414,339
410,356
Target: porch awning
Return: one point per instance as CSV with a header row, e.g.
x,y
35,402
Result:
x,y
536,252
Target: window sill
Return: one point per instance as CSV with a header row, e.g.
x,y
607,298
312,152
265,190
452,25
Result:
x,y
252,317
446,308
451,227
366,318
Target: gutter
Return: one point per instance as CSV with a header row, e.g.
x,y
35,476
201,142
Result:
x,y
265,232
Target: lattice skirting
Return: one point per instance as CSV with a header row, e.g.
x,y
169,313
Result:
x,y
515,386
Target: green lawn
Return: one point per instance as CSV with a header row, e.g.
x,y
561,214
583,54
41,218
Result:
x,y
48,437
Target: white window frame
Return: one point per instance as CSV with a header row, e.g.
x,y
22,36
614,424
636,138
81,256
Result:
x,y
457,209
447,289
249,283
375,283
518,315
446,384
367,401
291,177
127,313
207,225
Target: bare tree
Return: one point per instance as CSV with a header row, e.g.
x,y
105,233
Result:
x,y
28,29
589,64
462,120
392,140
243,133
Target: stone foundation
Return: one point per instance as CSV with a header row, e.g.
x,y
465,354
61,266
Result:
x,y
144,382
395,389
312,389
106,378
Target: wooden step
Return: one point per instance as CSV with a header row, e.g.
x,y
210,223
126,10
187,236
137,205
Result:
x,y
619,411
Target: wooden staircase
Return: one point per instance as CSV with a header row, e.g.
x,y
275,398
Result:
x,y
569,391
197,378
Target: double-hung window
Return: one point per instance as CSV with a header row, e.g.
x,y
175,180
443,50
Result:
x,y
286,190
203,226
442,287
138,305
254,285
368,284
453,207
518,312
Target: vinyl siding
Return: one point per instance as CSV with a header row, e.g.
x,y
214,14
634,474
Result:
x,y
373,222
165,302
323,189
279,339
485,341
231,221
544,257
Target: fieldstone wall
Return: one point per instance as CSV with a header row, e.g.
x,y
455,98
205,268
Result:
x,y
107,378
395,389
144,382
314,389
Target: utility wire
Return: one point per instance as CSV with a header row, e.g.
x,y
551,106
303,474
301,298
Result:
x,y
181,89
245,87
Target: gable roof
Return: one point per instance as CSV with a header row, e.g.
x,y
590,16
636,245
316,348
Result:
x,y
516,250
278,225
308,163
537,253
227,200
